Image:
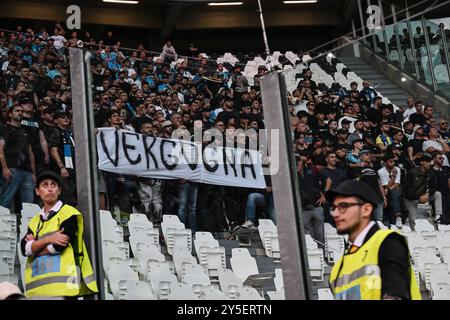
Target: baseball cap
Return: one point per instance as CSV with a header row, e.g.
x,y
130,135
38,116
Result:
x,y
60,114
48,175
363,152
8,289
346,121
425,158
353,188
341,131
357,140
166,123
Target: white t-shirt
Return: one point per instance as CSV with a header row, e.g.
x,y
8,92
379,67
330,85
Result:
x,y
408,112
436,145
59,41
385,176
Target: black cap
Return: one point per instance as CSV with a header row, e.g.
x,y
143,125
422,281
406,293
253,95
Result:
x,y
425,158
388,156
60,114
353,188
302,113
346,121
48,175
342,130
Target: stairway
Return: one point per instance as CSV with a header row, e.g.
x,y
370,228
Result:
x,y
380,83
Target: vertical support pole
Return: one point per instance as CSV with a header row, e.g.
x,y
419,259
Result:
x,y
445,46
383,26
413,46
361,17
355,36
294,259
86,158
397,38
263,26
372,33
430,56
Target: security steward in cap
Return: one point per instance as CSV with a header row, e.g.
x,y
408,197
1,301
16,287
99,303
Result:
x,y
58,264
376,264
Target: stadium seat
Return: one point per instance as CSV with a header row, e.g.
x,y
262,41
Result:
x,y
316,264
334,247
175,233
161,278
229,283
423,225
435,274
245,268
119,270
140,220
145,254
325,294
209,254
269,237
135,290
182,257
182,291
276,295
211,293
441,292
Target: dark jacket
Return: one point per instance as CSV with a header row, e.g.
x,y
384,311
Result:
x,y
417,184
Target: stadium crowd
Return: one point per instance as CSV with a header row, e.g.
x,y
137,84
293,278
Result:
x,y
339,133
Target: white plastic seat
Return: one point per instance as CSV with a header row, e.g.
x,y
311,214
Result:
x,y
211,293
424,256
175,233
334,247
145,237
209,254
423,225
229,283
325,294
146,253
269,237
135,290
329,229
242,263
195,275
119,270
435,274
310,243
180,258
111,250
276,295
316,264
441,292
182,291
161,278
139,219
248,293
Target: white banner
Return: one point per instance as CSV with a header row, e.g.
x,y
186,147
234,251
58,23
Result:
x,y
126,152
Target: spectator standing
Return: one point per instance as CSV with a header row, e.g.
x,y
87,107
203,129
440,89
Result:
x,y
440,181
16,159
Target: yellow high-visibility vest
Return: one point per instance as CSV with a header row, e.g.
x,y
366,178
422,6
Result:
x,y
357,276
68,273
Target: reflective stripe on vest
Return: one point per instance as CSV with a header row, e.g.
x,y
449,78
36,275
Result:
x,y
62,274
368,270
357,276
48,280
